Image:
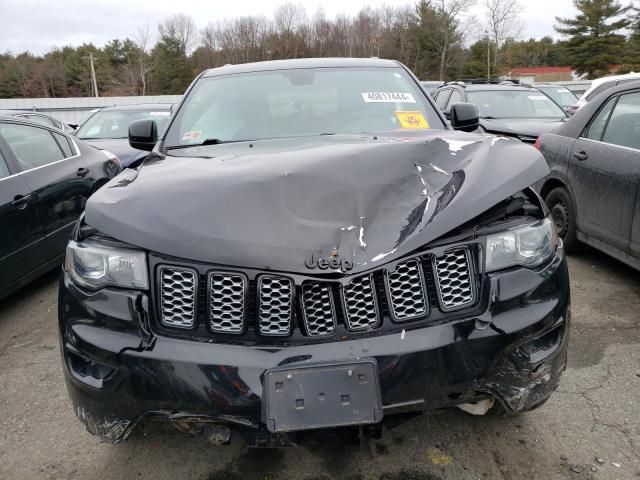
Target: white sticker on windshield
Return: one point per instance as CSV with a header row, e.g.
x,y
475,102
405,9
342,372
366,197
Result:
x,y
161,114
387,97
537,97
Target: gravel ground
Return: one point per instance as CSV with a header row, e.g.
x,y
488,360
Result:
x,y
590,429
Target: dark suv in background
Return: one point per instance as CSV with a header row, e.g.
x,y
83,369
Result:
x,y
506,107
107,128
311,245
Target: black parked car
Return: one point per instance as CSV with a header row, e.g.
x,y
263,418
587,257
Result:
x,y
46,177
310,244
38,117
506,108
108,128
593,189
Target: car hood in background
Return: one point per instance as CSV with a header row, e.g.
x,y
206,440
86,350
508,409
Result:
x,y
516,127
120,148
274,203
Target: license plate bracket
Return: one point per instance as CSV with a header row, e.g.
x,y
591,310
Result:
x,y
322,396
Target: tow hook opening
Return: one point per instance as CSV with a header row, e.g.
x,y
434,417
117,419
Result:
x,y
86,371
214,433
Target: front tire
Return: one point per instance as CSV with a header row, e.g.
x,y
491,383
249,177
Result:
x,y
563,214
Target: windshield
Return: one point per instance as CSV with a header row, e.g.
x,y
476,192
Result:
x,y
300,102
514,104
562,96
115,123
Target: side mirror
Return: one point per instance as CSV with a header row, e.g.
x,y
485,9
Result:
x,y
143,134
464,116
447,114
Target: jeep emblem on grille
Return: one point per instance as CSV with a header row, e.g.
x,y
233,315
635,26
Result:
x,y
334,262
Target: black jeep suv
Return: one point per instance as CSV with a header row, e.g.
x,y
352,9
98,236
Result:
x,y
507,107
310,245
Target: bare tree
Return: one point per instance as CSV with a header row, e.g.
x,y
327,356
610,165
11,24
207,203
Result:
x,y
143,41
503,21
290,21
181,28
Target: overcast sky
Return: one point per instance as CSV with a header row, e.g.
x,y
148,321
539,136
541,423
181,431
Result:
x,y
39,25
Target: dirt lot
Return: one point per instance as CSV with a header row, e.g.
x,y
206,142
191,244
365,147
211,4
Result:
x,y
589,429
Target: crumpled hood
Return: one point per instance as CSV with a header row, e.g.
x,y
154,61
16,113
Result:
x,y
273,204
515,126
120,148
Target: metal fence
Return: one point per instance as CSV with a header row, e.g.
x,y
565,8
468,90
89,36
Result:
x,y
70,110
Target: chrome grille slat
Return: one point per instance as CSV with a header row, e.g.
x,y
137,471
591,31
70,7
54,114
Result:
x,y
360,305
275,305
407,293
454,279
178,297
318,308
226,302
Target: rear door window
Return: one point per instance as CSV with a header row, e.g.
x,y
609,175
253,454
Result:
x,y
32,146
596,129
4,170
64,144
623,127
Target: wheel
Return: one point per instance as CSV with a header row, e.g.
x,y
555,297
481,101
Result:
x,y
563,214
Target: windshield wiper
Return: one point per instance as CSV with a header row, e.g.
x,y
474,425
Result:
x,y
208,141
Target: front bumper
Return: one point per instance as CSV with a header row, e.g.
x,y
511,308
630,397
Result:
x,y
117,373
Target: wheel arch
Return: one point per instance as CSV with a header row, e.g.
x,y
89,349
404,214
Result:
x,y
552,182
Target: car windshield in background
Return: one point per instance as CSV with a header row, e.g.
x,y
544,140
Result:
x,y
560,95
514,104
300,102
115,123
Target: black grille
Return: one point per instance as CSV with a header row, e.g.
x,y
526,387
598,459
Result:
x,y
178,297
318,309
226,302
453,272
275,311
407,294
255,303
360,306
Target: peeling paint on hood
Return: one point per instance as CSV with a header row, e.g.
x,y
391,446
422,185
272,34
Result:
x,y
274,203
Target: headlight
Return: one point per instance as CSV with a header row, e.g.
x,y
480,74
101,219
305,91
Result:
x,y
94,265
527,246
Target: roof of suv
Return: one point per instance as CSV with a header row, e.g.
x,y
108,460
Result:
x,y
481,84
301,63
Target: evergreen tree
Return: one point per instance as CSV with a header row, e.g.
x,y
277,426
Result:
x,y
172,73
594,43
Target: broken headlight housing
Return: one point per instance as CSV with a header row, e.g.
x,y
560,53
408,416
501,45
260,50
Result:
x,y
526,246
94,265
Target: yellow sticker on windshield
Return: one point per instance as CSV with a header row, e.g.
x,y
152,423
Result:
x,y
412,119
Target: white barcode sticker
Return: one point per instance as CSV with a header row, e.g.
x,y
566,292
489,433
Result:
x,y
387,97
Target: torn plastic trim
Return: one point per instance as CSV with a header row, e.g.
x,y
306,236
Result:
x,y
114,429
140,312
109,429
